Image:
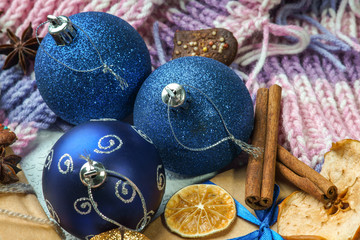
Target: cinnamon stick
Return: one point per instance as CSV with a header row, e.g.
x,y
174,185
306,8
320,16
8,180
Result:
x,y
254,170
304,177
301,182
272,128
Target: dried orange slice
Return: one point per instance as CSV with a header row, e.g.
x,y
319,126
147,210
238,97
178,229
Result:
x,y
200,210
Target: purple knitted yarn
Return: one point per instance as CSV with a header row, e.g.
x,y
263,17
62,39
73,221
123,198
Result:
x,y
16,94
320,103
12,75
22,107
21,100
33,109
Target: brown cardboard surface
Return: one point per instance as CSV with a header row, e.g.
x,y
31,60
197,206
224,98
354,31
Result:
x,y
13,228
232,181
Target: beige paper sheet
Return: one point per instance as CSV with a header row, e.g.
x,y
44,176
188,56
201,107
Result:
x,y
13,228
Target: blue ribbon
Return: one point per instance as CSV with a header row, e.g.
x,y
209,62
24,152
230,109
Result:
x,y
264,219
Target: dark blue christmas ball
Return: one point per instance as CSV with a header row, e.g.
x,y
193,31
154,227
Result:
x,y
80,96
198,125
129,194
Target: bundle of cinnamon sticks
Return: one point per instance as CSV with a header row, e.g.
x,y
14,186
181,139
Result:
x,y
260,174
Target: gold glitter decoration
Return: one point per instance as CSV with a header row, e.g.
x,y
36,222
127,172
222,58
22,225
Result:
x,y
115,234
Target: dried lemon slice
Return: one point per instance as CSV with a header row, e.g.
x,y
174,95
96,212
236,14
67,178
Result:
x,y
200,210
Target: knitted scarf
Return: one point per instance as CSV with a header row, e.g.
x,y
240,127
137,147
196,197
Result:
x,y
310,48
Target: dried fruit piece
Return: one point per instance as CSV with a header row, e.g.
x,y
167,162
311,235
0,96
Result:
x,y
7,137
301,214
200,210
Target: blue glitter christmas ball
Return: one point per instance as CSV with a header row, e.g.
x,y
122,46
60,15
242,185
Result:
x,y
131,192
80,96
199,124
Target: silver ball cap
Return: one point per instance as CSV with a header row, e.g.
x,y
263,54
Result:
x,y
173,95
93,173
61,29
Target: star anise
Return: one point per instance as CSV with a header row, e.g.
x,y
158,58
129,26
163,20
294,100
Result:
x,y
20,50
8,167
7,137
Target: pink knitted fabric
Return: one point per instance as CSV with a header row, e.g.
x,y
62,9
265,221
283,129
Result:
x,y
19,13
321,103
310,48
